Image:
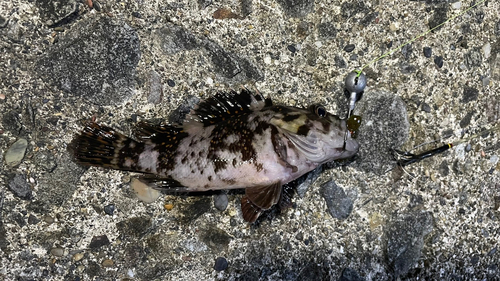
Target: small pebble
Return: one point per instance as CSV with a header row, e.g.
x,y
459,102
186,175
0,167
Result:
x,y
486,50
349,48
97,6
15,153
456,5
2,96
438,60
493,160
99,241
221,201
33,220
144,192
426,107
48,219
170,83
78,256
58,252
20,187
220,264
109,209
427,52
468,147
107,263
168,207
291,48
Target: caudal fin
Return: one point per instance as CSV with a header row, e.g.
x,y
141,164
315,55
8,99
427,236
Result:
x,y
102,146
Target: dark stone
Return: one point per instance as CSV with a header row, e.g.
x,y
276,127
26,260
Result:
x,y
93,269
426,107
96,59
220,264
11,122
351,8
339,62
98,242
497,28
349,48
109,209
173,39
438,60
473,58
20,187
221,201
349,274
297,8
385,126
3,22
170,83
215,238
406,50
291,48
338,203
299,236
54,12
246,7
230,66
470,94
312,271
33,219
466,120
196,209
327,30
405,240
134,227
427,52
440,15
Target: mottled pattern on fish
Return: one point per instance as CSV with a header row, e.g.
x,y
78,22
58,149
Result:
x,y
232,140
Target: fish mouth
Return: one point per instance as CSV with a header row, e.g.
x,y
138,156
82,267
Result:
x,y
350,148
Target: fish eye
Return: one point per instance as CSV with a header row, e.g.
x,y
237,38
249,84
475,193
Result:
x,y
319,110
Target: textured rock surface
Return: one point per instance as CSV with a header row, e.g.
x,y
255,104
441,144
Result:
x,y
122,62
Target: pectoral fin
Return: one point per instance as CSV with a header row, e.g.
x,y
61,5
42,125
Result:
x,y
259,198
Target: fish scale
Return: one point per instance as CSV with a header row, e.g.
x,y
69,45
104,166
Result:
x,y
231,140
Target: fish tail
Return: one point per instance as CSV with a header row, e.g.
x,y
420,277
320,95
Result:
x,y
102,146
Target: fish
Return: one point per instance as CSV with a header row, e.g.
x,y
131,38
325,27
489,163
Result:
x,y
232,140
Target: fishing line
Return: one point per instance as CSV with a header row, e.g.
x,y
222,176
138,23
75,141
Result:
x,y
356,81
390,52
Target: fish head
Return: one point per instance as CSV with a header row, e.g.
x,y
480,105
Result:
x,y
316,134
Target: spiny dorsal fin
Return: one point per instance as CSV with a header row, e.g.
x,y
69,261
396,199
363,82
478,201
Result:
x,y
147,131
225,105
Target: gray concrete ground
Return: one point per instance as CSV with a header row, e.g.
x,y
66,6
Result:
x,y
121,62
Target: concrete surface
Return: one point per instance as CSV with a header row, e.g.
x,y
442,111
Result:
x,y
63,62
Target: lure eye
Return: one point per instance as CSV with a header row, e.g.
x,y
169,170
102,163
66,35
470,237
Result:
x,y
319,110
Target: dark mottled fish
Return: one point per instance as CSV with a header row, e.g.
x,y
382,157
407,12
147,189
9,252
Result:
x,y
232,140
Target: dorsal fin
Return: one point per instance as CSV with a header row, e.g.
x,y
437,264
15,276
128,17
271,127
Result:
x,y
224,105
147,131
